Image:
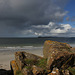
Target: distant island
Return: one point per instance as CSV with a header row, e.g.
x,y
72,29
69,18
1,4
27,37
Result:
x,y
53,37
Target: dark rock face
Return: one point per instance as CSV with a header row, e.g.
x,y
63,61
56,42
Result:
x,y
58,57
60,60
5,72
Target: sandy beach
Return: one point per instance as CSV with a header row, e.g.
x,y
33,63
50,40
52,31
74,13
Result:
x,y
7,55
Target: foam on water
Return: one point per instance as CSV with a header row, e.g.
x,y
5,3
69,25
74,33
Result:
x,y
20,48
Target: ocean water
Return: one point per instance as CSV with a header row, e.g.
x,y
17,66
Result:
x,y
30,43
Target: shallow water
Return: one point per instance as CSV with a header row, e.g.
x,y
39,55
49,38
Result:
x,y
30,43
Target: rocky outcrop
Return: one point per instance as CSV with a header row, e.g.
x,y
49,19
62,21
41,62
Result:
x,y
23,57
58,57
49,46
25,62
59,54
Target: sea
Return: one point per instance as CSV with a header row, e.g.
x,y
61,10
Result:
x,y
31,43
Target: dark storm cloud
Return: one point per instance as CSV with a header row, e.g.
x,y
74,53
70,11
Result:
x,y
19,15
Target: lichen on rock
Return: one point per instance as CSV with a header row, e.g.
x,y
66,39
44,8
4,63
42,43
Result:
x,y
54,45
59,59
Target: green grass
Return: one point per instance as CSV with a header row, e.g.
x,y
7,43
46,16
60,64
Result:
x,y
30,62
19,73
28,67
40,63
72,70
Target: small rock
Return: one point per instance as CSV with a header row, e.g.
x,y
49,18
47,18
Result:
x,y
55,71
37,70
66,72
26,72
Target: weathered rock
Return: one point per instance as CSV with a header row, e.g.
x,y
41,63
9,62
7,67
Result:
x,y
65,72
32,56
21,56
26,72
60,59
55,71
14,67
54,45
37,70
56,54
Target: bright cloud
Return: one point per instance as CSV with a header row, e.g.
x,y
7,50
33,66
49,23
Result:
x,y
50,29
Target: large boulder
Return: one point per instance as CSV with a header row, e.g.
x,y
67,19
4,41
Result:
x,y
25,62
60,59
54,45
58,54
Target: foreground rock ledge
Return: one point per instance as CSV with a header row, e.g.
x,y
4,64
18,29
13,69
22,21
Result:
x,y
59,59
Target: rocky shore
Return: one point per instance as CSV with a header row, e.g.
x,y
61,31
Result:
x,y
58,59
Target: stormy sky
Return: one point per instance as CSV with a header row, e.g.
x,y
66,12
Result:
x,y
27,18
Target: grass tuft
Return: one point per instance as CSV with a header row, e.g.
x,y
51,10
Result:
x,y
72,70
40,63
19,73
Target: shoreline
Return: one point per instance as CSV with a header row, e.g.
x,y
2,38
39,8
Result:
x,y
8,55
